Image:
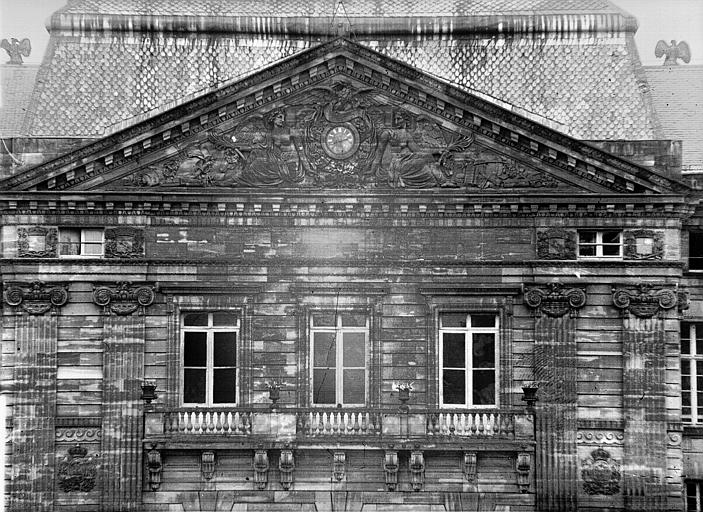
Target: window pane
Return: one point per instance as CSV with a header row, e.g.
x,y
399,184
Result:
x,y
225,349
353,320
69,242
323,387
484,387
611,250
587,237
686,366
483,320
695,250
587,250
323,320
454,387
196,319
354,386
92,242
611,237
220,318
224,386
454,350
194,386
484,350
325,349
686,383
353,349
194,348
699,343
452,319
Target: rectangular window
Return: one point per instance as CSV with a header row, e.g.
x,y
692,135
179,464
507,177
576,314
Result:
x,y
694,498
339,343
81,242
210,357
695,250
600,244
692,372
468,346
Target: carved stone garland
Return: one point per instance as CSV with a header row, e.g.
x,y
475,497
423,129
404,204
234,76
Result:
x,y
390,467
207,464
36,298
123,299
417,469
154,466
339,465
50,244
600,473
645,301
261,469
286,466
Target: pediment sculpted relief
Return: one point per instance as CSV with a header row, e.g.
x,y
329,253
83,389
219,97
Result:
x,y
338,137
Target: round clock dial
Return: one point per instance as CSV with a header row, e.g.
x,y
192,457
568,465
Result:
x,y
340,141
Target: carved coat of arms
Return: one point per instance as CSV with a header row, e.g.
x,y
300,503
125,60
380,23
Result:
x,y
601,473
77,471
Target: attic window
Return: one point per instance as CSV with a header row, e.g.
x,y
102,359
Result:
x,y
695,250
81,242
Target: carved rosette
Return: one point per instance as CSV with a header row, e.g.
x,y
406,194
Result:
x,y
556,244
37,242
77,472
124,242
36,298
600,473
555,300
123,298
657,244
645,300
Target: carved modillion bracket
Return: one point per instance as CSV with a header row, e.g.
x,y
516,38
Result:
x,y
469,467
339,463
390,466
523,466
261,469
417,470
36,298
645,300
123,298
286,466
155,467
554,299
207,465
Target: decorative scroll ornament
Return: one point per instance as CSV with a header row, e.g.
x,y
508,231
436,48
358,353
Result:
x,y
37,242
155,467
77,472
123,299
417,469
124,242
339,465
261,469
523,464
286,466
36,298
555,300
207,465
390,466
644,302
601,473
556,244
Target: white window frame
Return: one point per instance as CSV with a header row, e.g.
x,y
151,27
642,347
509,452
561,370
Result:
x,y
210,369
468,331
598,244
695,332
339,331
84,243
698,487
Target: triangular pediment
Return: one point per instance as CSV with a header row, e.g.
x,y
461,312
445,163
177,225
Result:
x,y
340,116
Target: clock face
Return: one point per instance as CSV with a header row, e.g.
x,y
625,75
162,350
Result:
x,y
340,141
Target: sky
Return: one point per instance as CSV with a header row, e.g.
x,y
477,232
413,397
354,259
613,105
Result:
x,y
658,19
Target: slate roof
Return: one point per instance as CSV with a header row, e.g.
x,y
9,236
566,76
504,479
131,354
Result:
x,y
678,98
590,83
16,83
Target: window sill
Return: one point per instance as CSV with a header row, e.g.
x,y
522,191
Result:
x,y
695,431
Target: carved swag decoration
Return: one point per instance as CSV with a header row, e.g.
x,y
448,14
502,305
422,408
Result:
x,y
123,298
36,298
77,472
600,474
644,244
37,242
338,137
124,242
555,300
556,244
645,301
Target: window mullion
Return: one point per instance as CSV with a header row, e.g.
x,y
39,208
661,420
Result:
x,y
469,370
209,373
339,370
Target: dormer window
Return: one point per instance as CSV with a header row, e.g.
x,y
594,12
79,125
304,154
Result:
x,y
600,244
81,242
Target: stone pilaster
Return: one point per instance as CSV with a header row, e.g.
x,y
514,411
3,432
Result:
x,y
122,408
36,329
555,366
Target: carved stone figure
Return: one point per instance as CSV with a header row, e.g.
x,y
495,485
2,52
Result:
x,y
600,473
673,52
16,49
77,471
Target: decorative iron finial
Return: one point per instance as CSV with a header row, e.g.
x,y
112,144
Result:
x,y
16,49
673,52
